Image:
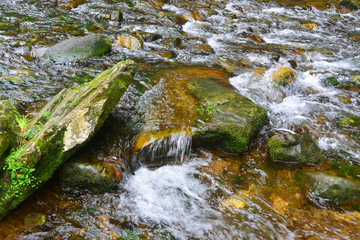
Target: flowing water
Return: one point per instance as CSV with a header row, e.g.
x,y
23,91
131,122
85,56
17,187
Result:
x,y
207,193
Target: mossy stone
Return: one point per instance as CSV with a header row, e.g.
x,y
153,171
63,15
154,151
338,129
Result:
x,y
234,122
75,115
300,148
335,189
79,48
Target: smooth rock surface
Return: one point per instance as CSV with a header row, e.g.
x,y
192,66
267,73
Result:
x,y
78,48
335,189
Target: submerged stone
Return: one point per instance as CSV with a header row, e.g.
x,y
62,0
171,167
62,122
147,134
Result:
x,y
299,148
78,48
335,189
94,176
34,219
61,127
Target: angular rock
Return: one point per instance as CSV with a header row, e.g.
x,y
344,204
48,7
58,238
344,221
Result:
x,y
94,176
78,48
299,148
335,189
68,121
195,105
234,121
130,41
9,130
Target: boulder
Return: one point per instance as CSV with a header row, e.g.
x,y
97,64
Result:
x,y
349,4
64,124
334,189
299,148
232,123
9,130
96,176
78,48
195,106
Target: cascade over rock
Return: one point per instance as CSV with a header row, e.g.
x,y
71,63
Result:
x,y
198,105
64,124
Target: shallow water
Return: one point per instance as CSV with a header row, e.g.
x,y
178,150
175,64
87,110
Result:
x,y
207,194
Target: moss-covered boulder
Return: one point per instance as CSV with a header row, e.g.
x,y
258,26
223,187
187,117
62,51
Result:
x,y
96,176
231,120
198,106
321,186
299,148
62,126
9,130
78,48
349,4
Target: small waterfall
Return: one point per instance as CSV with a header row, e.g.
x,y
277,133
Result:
x,y
173,149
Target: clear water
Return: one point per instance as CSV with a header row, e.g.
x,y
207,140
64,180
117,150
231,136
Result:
x,y
188,200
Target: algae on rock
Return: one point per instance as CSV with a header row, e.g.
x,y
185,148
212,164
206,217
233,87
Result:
x,y
198,106
75,115
78,48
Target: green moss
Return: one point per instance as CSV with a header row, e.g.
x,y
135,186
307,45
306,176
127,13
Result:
x,y
276,147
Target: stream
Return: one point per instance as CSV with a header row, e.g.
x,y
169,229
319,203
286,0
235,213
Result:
x,y
207,193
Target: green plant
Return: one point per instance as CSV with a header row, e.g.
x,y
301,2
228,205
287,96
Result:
x,y
20,175
206,110
22,122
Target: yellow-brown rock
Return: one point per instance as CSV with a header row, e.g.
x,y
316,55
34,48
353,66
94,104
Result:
x,y
233,202
284,75
310,26
129,41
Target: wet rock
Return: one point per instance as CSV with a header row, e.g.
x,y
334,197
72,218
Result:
x,y
173,43
147,36
113,16
34,219
335,189
299,148
198,16
129,41
331,81
202,49
73,117
233,202
284,76
310,26
165,54
70,4
9,130
78,48
232,123
195,102
155,3
94,176
349,4
254,37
